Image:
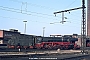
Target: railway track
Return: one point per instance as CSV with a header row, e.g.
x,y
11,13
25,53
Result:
x,y
23,50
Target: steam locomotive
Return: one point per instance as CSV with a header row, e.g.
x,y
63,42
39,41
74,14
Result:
x,y
39,42
56,43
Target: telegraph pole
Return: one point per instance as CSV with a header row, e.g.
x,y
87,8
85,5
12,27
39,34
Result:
x,y
83,28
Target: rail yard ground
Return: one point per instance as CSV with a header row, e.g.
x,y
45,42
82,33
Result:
x,y
48,54
41,52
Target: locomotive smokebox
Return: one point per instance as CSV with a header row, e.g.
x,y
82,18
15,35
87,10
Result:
x,y
88,18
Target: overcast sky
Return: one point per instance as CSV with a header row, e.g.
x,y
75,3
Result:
x,y
39,14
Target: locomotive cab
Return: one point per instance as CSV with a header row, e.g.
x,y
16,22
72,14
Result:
x,y
37,42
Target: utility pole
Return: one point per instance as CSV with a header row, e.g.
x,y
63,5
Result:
x,y
25,26
43,31
83,28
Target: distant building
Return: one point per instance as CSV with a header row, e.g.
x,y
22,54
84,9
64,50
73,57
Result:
x,y
5,36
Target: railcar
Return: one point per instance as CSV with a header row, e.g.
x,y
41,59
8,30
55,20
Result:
x,y
88,42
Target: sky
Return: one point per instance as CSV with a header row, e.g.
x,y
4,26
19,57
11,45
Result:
x,y
39,14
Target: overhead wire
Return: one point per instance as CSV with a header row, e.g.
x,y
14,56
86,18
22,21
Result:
x,y
29,11
31,4
41,6
72,14
34,12
37,5
32,21
21,19
39,22
14,10
68,26
71,4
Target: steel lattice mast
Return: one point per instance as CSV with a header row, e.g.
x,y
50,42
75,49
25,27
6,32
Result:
x,y
83,32
83,27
